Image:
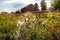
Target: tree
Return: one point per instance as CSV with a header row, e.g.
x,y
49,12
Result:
x,y
27,8
56,4
43,5
18,11
36,7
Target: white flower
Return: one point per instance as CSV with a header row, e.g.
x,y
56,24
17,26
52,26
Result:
x,y
43,22
27,19
19,23
34,16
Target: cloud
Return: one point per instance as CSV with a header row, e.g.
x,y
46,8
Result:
x,y
13,5
10,7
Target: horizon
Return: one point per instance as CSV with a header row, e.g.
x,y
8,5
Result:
x,y
13,5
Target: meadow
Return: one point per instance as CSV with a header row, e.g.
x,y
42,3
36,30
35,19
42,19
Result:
x,y
30,26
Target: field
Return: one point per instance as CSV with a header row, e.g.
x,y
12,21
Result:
x,y
30,26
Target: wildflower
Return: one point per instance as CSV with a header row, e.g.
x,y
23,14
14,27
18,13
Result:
x,y
27,19
43,22
34,16
20,23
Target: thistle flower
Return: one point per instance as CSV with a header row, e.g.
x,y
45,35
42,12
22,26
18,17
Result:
x,y
19,23
43,22
27,19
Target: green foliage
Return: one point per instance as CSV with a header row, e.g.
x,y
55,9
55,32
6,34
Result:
x,y
45,26
56,5
43,5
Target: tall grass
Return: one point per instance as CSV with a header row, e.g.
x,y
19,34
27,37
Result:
x,y
30,26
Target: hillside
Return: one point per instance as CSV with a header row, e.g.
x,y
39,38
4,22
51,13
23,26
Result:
x,y
30,26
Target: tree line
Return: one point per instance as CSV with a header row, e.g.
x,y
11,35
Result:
x,y
55,5
34,7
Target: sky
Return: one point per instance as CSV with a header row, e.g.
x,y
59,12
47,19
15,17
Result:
x,y
13,5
